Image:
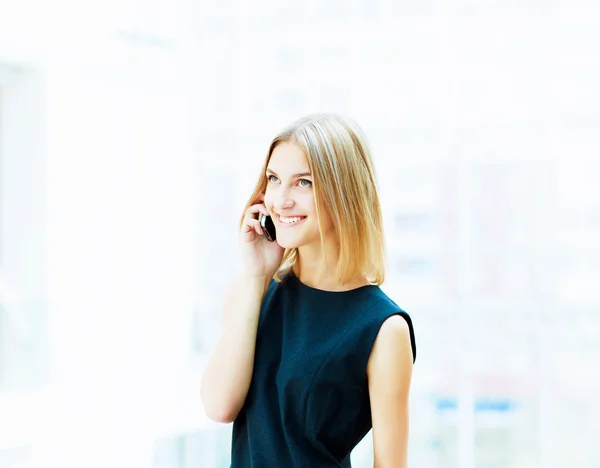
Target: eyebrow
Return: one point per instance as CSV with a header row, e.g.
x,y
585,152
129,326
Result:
x,y
301,174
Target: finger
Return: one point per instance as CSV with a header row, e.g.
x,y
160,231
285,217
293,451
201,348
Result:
x,y
264,210
254,209
248,234
254,224
251,224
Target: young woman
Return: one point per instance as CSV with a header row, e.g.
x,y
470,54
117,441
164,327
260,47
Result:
x,y
312,353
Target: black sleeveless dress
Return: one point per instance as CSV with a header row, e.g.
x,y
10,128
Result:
x,y
308,402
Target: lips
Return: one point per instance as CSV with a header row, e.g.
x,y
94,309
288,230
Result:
x,y
290,220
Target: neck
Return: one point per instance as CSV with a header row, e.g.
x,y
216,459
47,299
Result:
x,y
312,270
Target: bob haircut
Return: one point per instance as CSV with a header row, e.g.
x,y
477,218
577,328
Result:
x,y
344,184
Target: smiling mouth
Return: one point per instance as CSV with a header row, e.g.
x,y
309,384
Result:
x,y
290,220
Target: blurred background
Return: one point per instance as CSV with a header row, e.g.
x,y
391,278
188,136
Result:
x,y
132,132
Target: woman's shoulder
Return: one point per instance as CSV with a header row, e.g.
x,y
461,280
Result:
x,y
377,300
384,308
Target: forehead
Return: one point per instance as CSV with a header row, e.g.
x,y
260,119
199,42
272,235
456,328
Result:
x,y
288,158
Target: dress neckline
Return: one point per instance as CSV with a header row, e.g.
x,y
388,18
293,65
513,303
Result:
x,y
295,278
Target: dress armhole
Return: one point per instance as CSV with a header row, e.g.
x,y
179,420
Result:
x,y
413,342
374,332
266,302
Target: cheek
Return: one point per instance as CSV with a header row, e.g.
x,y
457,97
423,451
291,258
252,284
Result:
x,y
268,201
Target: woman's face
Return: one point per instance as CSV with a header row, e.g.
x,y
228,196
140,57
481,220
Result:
x,y
290,198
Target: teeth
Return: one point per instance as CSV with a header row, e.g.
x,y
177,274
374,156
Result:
x,y
289,220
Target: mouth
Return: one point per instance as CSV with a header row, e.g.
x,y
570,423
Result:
x,y
289,221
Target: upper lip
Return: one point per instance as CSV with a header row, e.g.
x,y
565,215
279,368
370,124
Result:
x,y
289,216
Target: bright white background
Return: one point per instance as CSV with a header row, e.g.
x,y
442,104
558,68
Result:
x,y
131,133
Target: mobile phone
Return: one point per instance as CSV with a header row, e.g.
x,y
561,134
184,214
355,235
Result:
x,y
266,223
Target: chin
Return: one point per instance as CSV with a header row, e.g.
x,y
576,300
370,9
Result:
x,y
294,242
288,243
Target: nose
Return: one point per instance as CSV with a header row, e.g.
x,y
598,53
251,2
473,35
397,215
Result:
x,y
283,202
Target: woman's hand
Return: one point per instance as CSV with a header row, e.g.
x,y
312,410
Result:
x,y
260,257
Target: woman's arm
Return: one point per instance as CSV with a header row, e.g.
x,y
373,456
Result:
x,y
389,373
228,374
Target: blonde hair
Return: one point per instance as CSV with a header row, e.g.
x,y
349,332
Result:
x,y
345,189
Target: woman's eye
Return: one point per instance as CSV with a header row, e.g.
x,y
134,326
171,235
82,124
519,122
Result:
x,y
302,182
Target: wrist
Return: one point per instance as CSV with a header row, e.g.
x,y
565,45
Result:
x,y
256,280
